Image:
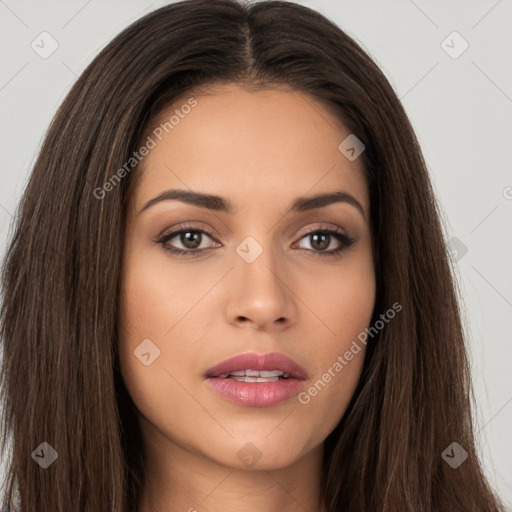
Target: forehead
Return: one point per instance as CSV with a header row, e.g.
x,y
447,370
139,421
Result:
x,y
256,148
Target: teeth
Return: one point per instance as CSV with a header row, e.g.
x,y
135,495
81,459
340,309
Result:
x,y
270,373
255,375
255,379
241,373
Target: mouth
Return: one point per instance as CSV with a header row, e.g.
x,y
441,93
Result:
x,y
257,380
255,375
251,365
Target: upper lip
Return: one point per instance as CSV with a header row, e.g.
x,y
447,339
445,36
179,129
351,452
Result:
x,y
253,361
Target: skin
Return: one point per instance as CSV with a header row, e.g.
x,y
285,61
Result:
x,y
261,150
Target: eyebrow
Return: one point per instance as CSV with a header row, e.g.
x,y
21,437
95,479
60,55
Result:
x,y
217,203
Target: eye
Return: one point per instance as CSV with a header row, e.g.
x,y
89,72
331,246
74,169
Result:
x,y
321,239
191,238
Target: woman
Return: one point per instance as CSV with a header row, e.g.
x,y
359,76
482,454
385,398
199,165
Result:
x,y
228,285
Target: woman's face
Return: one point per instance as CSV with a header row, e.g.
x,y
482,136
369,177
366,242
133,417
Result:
x,y
268,279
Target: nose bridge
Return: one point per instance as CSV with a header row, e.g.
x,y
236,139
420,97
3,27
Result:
x,y
258,261
260,292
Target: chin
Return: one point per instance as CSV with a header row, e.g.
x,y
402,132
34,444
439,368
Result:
x,y
260,453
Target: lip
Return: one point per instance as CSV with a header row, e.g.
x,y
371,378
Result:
x,y
253,361
257,394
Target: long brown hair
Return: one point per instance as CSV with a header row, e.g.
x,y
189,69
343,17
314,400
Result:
x,y
60,376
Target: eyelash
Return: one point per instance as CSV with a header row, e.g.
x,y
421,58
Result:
x,y
345,240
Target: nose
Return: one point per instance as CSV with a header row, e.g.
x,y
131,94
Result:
x,y
261,294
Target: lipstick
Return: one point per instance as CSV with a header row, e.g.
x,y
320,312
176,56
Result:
x,y
257,380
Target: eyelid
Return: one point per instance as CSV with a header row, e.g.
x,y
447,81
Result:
x,y
323,226
191,226
340,234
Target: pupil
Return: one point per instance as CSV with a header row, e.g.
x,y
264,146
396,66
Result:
x,y
186,239
325,240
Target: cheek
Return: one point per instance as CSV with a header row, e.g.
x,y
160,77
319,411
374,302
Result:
x,y
155,300
343,298
345,306
144,302
156,297
142,319
328,395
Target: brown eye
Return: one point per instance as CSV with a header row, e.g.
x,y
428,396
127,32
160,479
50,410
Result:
x,y
321,239
190,239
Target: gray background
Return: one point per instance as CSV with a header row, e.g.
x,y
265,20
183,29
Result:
x,y
461,109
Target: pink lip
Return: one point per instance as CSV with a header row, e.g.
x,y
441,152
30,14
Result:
x,y
257,394
253,361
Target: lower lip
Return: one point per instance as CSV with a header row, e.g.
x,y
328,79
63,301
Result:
x,y
256,394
